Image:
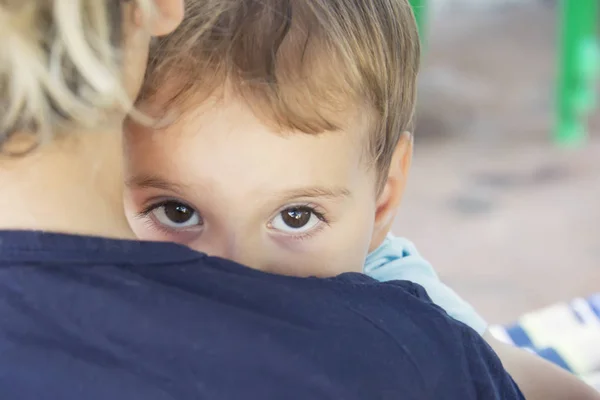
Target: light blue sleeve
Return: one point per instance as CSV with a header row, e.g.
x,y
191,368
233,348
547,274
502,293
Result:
x,y
398,259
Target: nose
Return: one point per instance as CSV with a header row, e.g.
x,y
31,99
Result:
x,y
241,248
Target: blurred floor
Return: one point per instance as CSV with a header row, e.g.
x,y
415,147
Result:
x,y
509,221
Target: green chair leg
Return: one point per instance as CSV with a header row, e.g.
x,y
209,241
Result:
x,y
579,62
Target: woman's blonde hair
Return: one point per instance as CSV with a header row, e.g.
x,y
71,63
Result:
x,y
60,63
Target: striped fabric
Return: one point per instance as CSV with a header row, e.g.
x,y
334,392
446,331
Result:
x,y
566,334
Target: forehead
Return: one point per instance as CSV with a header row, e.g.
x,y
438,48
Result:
x,y
222,142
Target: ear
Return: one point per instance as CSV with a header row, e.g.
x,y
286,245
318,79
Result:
x,y
169,14
391,194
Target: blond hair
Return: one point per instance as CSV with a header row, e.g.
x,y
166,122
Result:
x,y
301,64
59,63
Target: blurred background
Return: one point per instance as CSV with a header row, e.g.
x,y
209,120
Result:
x,y
509,218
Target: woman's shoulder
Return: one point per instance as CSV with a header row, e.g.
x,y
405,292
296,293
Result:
x,y
86,303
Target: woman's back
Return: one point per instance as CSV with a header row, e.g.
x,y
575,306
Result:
x,y
95,318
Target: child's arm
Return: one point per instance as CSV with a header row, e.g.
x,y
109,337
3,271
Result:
x,y
538,378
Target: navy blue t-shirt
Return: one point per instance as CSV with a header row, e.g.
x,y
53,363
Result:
x,y
90,318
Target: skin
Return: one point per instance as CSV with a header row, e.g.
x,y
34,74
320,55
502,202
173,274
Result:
x,y
225,156
537,378
223,182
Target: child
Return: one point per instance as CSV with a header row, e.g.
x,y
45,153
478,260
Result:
x,y
285,146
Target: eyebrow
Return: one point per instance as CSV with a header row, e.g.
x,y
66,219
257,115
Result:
x,y
315,192
157,182
154,182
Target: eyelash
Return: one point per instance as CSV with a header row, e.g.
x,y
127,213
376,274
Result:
x,y
309,234
319,213
153,206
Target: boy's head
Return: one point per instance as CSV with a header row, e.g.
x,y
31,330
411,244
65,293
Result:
x,y
286,147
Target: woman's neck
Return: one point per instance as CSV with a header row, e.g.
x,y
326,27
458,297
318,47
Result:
x,y
73,186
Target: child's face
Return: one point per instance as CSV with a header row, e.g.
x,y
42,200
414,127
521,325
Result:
x,y
220,181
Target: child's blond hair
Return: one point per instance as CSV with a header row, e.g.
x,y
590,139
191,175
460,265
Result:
x,y
301,64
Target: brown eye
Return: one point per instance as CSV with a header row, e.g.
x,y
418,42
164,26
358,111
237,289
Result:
x,y
176,215
296,220
296,217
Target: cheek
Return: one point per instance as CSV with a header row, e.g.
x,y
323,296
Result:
x,y
354,242
353,238
329,258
